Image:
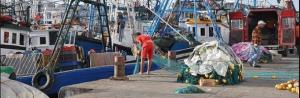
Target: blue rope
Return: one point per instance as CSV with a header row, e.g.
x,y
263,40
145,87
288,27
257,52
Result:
x,y
137,65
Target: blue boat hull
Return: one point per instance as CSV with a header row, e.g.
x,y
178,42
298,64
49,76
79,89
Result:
x,y
81,75
179,45
87,44
76,76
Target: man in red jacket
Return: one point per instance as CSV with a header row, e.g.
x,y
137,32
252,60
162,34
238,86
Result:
x,y
147,50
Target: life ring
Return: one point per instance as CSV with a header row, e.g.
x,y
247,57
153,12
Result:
x,y
39,82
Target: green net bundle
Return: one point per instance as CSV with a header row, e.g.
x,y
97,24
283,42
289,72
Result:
x,y
233,76
212,60
188,90
185,77
6,69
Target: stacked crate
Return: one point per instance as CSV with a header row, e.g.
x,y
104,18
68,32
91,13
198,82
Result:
x,y
68,59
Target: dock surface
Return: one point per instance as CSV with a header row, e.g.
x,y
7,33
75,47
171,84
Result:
x,y
162,84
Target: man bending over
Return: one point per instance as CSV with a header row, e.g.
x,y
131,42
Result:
x,y
146,52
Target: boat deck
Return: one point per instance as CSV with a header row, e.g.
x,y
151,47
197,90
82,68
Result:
x,y
162,84
127,40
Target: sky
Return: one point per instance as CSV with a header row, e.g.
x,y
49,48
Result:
x,y
273,2
296,3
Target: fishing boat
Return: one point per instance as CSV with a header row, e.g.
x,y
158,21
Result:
x,y
13,38
49,70
203,30
66,57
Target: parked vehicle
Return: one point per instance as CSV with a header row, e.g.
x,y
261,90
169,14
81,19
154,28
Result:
x,y
278,34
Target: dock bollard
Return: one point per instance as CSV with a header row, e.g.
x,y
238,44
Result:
x,y
119,69
171,56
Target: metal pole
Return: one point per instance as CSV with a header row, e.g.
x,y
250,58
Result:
x,y
62,26
106,22
101,29
195,19
169,25
62,36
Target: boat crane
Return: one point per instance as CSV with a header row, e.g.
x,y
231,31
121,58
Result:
x,y
217,34
23,14
91,15
162,12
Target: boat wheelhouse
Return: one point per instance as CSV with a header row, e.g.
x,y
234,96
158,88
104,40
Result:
x,y
13,38
203,30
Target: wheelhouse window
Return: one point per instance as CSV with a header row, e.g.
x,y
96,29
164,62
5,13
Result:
x,y
236,24
48,15
145,28
21,39
194,30
202,31
52,37
49,22
14,38
6,37
42,40
211,32
30,42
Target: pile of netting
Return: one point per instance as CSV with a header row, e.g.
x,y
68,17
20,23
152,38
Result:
x,y
190,89
246,51
212,60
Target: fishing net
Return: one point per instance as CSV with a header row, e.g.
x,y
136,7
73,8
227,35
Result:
x,y
163,62
210,60
188,90
184,76
273,75
212,56
246,51
213,60
265,58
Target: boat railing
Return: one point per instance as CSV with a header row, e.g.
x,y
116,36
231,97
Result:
x,y
24,64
